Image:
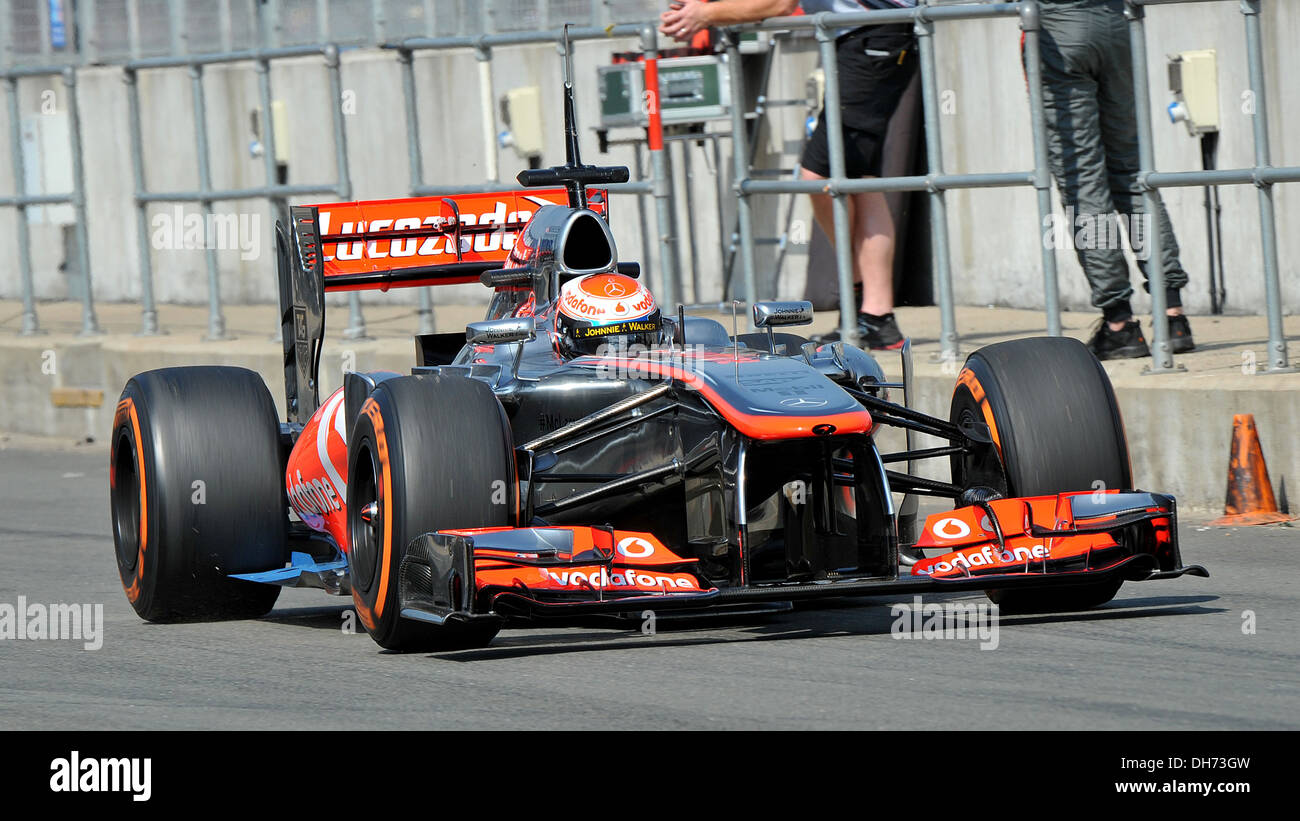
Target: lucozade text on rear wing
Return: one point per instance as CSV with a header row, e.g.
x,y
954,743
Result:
x,y
418,241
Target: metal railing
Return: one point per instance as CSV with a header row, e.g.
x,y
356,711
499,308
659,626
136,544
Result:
x,y
277,194
99,31
936,182
659,186
22,201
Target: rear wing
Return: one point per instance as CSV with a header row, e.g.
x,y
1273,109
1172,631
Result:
x,y
420,241
382,244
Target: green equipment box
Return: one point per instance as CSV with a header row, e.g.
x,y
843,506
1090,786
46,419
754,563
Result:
x,y
691,90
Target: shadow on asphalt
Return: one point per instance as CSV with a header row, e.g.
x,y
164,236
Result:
x,y
819,621
324,617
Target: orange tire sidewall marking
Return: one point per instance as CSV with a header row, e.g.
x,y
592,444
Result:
x,y
370,618
126,409
972,383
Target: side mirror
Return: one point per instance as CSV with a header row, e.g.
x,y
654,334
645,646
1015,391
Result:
x,y
500,331
779,314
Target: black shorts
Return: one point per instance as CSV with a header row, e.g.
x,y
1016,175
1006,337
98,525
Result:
x,y
870,87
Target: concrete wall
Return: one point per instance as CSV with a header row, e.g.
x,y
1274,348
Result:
x,y
995,233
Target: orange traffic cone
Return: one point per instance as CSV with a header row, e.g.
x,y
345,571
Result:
x,y
1250,494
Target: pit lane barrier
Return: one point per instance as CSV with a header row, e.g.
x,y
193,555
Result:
x,y
923,18
1263,175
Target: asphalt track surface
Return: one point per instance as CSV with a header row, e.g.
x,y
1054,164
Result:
x,y
1164,655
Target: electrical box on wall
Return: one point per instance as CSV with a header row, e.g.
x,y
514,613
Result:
x,y
279,121
521,112
815,90
691,90
1194,81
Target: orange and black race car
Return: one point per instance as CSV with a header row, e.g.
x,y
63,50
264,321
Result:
x,y
581,452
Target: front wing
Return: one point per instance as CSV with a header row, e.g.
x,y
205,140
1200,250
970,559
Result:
x,y
1066,540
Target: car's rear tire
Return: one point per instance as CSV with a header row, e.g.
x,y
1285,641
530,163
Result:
x,y
197,493
1056,427
432,453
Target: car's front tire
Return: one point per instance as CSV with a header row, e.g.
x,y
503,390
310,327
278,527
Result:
x,y
427,453
1056,427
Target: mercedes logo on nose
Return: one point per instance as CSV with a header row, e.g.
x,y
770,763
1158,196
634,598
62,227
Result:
x,y
802,402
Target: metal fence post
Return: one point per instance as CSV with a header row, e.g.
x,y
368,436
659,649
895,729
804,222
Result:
x,y
177,36
227,27
1031,24
688,174
6,41
740,167
269,170
356,320
430,24
1162,357
272,35
216,320
660,171
149,311
1277,353
720,192
843,239
278,206
89,324
87,32
378,20
487,108
133,28
638,168
43,13
415,164
948,350
30,323
323,20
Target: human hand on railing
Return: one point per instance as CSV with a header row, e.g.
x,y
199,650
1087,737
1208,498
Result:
x,y
684,19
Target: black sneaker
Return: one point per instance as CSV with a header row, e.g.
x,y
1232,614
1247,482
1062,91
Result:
x,y
1180,335
879,333
1127,343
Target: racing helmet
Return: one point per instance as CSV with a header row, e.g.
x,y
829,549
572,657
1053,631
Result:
x,y
609,311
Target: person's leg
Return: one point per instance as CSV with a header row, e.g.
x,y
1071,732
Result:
x,y
824,216
824,213
1078,159
874,73
875,67
873,242
1119,137
1078,162
872,225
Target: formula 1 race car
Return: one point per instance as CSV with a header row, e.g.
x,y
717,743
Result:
x,y
580,452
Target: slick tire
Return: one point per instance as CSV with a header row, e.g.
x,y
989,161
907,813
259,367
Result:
x,y
197,493
431,453
1056,427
